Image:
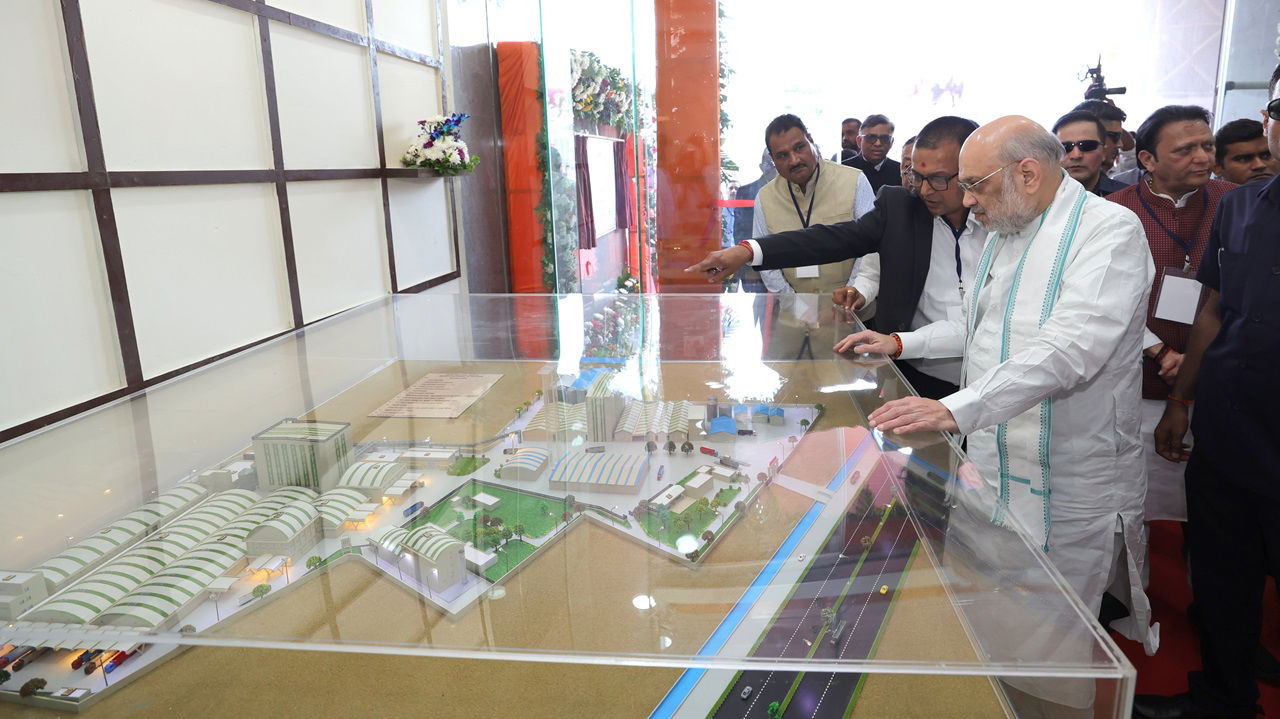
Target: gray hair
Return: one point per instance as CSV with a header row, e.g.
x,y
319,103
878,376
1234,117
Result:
x,y
1035,143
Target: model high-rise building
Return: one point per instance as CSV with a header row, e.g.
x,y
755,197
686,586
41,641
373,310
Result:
x,y
302,453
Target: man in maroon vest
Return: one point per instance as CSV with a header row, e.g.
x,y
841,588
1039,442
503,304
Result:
x,y
1176,201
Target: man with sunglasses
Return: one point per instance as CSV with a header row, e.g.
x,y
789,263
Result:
x,y
1118,161
927,242
1233,472
874,140
1082,136
1176,201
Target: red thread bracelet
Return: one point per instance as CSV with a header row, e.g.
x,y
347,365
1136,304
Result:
x,y
1164,350
897,340
1184,402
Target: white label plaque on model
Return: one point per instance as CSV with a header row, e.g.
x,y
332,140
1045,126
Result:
x,y
438,396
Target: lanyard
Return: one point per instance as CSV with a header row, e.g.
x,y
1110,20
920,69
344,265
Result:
x,y
804,219
1184,243
956,234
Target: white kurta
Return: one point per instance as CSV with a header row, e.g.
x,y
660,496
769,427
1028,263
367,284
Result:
x,y
1086,357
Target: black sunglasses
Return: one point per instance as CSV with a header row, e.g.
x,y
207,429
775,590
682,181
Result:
x,y
1273,109
1084,145
878,139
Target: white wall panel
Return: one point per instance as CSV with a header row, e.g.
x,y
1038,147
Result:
x,y
339,239
212,414
178,85
420,230
326,100
205,267
38,127
346,14
408,23
410,92
57,328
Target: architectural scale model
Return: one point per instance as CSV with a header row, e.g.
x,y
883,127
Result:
x,y
449,522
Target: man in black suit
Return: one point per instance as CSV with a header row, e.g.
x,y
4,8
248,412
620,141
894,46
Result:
x,y
874,140
928,247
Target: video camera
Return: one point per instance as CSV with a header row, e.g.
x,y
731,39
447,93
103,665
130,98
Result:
x,y
1098,89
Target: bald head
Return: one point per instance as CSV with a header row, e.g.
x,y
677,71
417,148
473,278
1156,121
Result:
x,y
1011,170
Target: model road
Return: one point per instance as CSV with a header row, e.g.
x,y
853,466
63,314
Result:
x,y
798,621
865,609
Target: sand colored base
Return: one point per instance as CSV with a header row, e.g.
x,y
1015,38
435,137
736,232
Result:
x,y
924,617
576,595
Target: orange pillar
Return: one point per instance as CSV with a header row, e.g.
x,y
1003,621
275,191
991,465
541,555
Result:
x,y
688,109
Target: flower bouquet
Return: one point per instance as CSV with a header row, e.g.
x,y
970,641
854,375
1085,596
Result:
x,y
439,146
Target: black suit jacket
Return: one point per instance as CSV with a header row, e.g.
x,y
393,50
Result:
x,y
899,227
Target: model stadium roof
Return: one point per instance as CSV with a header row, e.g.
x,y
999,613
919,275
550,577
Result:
x,y
559,417
93,594
156,599
393,538
290,519
371,475
302,430
528,458
605,469
336,504
641,418
124,530
429,542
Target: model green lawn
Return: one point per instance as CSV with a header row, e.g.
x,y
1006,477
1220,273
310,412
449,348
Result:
x,y
510,555
667,527
538,515
463,466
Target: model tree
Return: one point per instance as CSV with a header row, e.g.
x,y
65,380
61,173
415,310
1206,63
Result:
x,y
313,561
4,676
261,590
775,710
650,446
31,687
537,394
187,629
671,447
518,530
828,615
687,447
740,506
819,407
708,535
804,424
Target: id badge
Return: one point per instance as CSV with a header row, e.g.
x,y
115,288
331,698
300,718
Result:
x,y
1179,296
809,272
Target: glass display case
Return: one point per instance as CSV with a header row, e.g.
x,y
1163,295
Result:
x,y
536,505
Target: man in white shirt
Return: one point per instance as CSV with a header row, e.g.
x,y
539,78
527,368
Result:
x,y
1051,388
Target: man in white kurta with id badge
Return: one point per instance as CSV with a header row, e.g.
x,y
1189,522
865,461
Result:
x,y
1051,382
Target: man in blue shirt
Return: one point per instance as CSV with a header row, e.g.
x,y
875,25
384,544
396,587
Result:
x,y
1233,476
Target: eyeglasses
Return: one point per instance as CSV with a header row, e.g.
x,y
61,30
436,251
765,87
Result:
x,y
1113,136
937,182
1084,145
878,139
1273,109
971,187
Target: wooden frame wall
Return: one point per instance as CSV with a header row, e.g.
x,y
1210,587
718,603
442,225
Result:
x,y
100,181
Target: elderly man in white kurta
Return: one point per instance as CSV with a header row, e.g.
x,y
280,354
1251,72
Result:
x,y
1050,385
